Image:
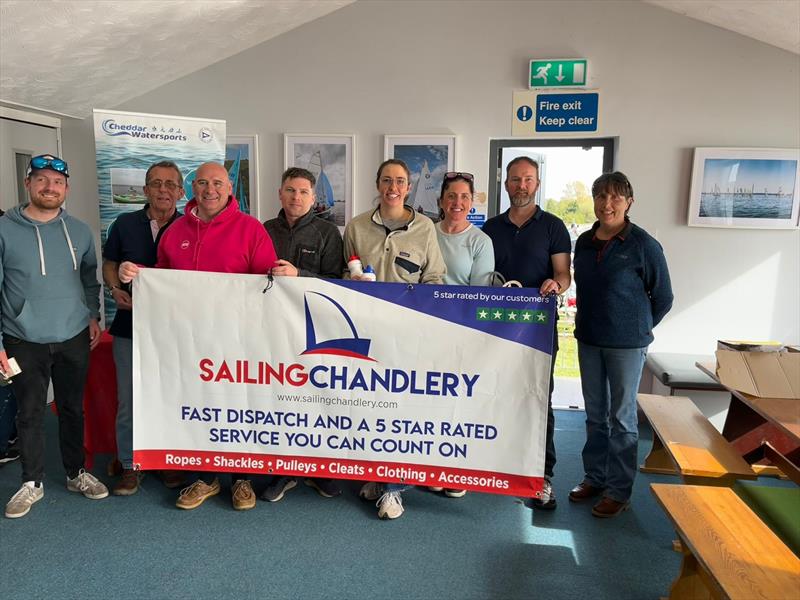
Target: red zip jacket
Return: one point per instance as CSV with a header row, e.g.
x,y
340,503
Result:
x,y
233,242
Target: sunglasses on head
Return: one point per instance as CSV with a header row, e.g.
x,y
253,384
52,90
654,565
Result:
x,y
48,162
458,175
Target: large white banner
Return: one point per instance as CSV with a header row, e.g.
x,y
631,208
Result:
x,y
126,144
430,385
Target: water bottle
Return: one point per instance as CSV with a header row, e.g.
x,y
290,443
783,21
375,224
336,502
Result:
x,y
368,274
354,265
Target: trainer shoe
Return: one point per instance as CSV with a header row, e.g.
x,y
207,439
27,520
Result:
x,y
371,491
277,488
128,484
327,488
197,493
243,496
390,505
8,455
21,502
435,488
88,485
455,493
547,501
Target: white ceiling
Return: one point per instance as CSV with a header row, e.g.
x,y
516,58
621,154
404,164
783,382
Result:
x,y
71,56
127,48
774,22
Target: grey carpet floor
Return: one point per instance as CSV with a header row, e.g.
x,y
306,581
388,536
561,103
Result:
x,y
478,546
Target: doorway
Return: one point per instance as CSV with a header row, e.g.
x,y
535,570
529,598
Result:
x,y
22,136
567,169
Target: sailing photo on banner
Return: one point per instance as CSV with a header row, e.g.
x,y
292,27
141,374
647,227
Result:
x,y
330,160
428,158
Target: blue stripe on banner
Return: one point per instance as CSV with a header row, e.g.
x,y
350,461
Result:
x,y
517,314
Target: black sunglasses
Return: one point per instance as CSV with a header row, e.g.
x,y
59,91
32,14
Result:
x,y
458,175
48,162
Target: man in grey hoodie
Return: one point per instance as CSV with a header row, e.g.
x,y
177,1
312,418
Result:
x,y
49,307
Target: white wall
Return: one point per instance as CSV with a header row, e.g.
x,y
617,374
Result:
x,y
668,84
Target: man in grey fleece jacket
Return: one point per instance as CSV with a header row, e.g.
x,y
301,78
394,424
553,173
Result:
x,y
49,307
307,246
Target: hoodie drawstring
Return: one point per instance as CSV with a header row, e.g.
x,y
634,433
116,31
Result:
x,y
41,251
69,245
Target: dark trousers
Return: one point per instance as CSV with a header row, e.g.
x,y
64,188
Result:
x,y
8,416
550,446
66,363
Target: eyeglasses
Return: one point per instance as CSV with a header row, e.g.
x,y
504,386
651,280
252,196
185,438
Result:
x,y
400,181
458,175
48,162
157,183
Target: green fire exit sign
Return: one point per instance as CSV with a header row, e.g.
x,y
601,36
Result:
x,y
558,72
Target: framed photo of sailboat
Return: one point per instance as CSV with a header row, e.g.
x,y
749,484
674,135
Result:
x,y
241,162
428,157
330,157
746,188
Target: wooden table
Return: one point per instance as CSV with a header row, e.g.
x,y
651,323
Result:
x,y
763,428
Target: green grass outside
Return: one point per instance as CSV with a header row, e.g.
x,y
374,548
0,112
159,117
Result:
x,y
567,358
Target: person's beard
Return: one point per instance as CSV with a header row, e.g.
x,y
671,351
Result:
x,y
521,199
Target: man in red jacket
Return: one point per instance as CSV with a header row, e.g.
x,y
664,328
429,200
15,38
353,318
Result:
x,y
213,235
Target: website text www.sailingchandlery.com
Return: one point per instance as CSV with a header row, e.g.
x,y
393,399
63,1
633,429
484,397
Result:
x,y
335,401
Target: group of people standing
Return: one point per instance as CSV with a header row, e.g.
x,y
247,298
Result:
x,y
623,291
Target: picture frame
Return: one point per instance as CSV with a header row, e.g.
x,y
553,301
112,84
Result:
x,y
331,159
241,162
745,188
428,157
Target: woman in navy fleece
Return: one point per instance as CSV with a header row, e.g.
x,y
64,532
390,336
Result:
x,y
623,291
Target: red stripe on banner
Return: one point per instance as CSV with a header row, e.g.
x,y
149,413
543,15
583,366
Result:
x,y
329,468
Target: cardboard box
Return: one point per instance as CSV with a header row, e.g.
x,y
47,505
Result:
x,y
764,374
749,346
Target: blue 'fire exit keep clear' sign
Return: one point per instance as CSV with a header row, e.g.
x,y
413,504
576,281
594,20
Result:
x,y
566,112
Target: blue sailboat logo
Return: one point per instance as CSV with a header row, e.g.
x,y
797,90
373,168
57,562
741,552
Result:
x,y
352,347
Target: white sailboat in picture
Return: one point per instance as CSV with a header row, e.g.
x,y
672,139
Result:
x,y
425,195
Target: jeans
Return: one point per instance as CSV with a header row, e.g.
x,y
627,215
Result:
x,y
67,364
610,380
123,361
8,416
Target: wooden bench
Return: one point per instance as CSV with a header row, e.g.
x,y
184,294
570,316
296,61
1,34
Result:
x,y
685,443
728,552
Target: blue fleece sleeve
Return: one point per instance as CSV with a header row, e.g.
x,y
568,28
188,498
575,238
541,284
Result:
x,y
656,280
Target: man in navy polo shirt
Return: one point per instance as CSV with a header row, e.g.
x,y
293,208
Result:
x,y
134,236
533,247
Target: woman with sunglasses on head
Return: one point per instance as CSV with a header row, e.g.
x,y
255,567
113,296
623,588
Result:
x,y
468,252
623,292
400,244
